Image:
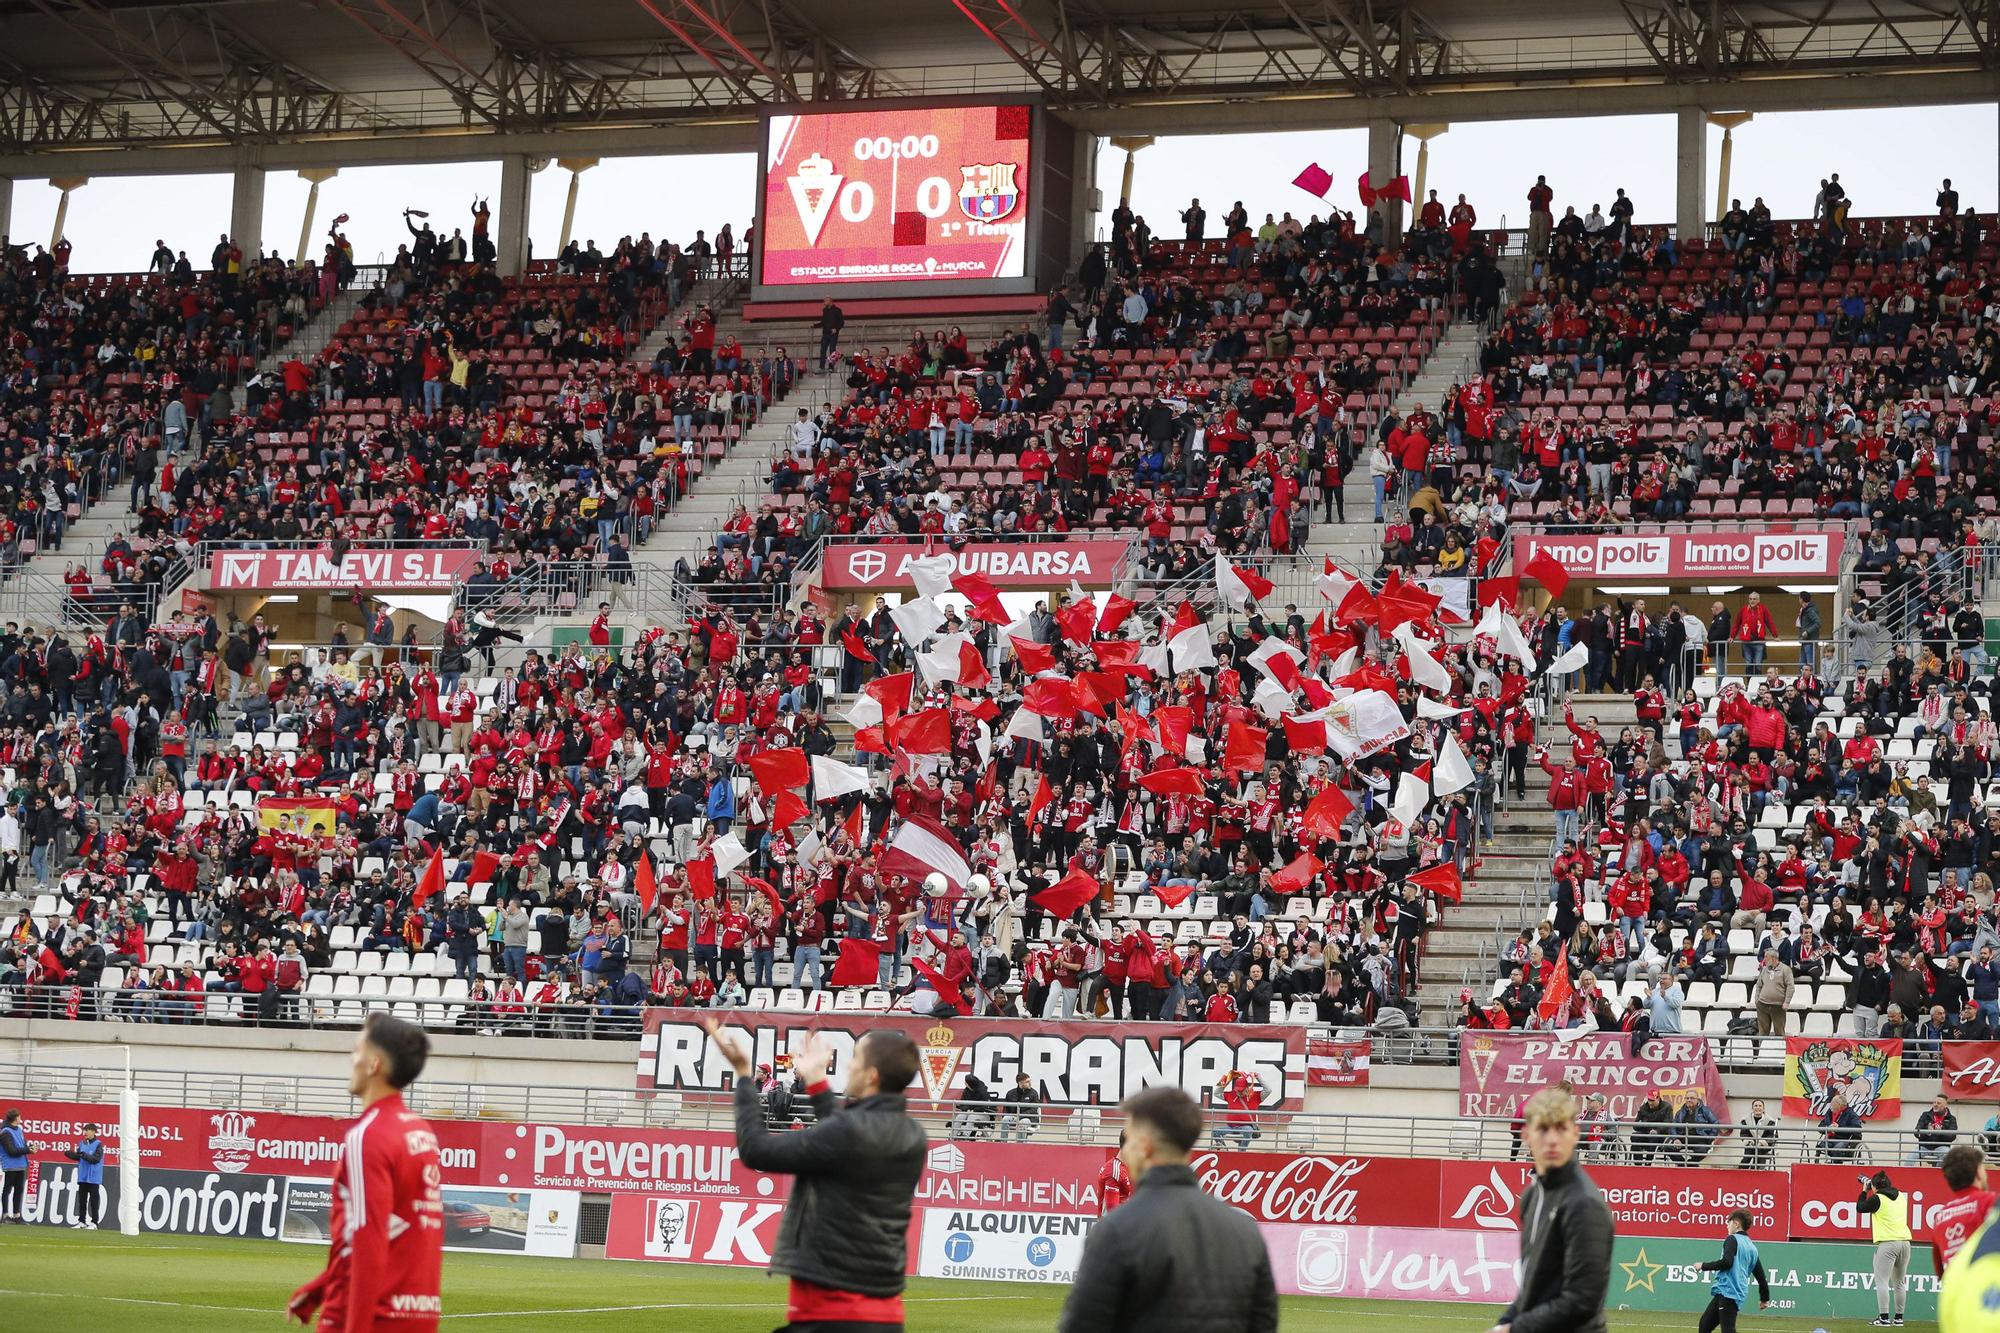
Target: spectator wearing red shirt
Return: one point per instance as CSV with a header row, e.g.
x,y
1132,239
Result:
x,y
1753,627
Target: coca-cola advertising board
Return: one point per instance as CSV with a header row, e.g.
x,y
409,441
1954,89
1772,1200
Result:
x,y
1393,1263
1324,1189
1073,1064
1644,1200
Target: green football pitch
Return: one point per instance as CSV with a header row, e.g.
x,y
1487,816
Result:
x,y
60,1281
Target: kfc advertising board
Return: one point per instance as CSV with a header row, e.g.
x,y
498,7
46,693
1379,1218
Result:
x,y
1073,1064
1046,564
427,569
897,194
1612,557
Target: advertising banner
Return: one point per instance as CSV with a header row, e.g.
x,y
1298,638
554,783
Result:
x,y
431,569
1644,1200
690,1228
1347,1191
1971,1070
51,1198
878,568
1499,1071
1865,1072
184,1203
1609,558
1826,1200
1002,1246
1072,1064
1336,1064
1807,1281
1393,1263
917,194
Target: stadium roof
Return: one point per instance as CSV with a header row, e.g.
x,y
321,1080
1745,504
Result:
x,y
87,75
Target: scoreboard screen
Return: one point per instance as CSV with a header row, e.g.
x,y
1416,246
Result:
x,y
899,195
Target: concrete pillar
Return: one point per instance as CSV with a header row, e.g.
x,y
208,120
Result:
x,y
1423,134
1385,156
1086,200
510,236
575,166
317,176
6,207
1729,122
68,185
1691,175
246,212
1131,144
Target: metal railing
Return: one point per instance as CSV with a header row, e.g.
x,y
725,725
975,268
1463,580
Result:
x,y
1463,1138
575,587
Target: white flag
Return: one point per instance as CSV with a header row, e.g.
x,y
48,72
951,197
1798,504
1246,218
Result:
x,y
1450,772
1505,631
831,778
1192,650
1412,795
1236,587
1335,584
1424,669
1272,699
1571,659
1434,709
931,574
1273,647
729,853
865,711
1026,726
918,619
943,662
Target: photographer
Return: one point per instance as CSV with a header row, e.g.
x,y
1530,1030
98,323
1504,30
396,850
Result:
x,y
1888,1212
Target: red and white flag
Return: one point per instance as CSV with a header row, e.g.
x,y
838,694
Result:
x,y
1239,587
922,847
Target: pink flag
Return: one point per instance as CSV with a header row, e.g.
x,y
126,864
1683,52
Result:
x,y
1314,180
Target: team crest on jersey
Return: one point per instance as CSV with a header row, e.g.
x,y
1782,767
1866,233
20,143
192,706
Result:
x,y
987,193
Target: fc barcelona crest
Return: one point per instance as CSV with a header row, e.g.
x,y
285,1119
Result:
x,y
988,193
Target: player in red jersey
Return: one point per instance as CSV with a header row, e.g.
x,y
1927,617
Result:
x,y
388,1215
1114,1180
1952,1222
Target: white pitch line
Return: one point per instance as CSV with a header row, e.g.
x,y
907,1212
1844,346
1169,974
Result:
x,y
139,1300
707,1305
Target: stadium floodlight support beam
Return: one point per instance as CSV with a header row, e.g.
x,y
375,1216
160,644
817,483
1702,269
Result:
x,y
1690,172
1423,134
68,185
6,208
575,166
318,176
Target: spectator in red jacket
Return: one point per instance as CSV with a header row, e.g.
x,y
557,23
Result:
x,y
1753,627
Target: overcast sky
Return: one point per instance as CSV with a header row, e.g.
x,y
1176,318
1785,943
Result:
x,y
1889,161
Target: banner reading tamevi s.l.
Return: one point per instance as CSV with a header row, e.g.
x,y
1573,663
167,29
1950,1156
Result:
x,y
1499,1071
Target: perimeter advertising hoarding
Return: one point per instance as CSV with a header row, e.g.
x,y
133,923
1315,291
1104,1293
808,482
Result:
x,y
1704,556
899,196
1807,1281
1072,1064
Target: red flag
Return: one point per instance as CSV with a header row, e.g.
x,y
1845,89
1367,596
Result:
x,y
484,865
1175,720
1033,657
1399,602
1184,619
871,740
1120,655
778,770
856,965
1327,812
1504,590
1116,609
769,890
701,879
1305,737
644,884
788,810
954,996
1560,988
1174,893
1298,874
1483,552
892,692
1040,800
851,640
978,590
1077,619
1244,749
1063,898
972,672
1314,180
1367,192
1051,696
1098,690
1284,670
1356,607
1172,781
1441,879
1398,188
856,823
1548,571
927,732
432,882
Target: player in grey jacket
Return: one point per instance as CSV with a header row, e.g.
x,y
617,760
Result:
x,y
1565,1229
